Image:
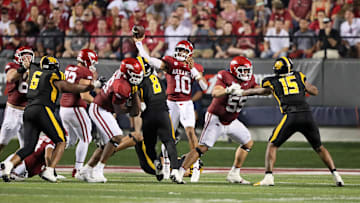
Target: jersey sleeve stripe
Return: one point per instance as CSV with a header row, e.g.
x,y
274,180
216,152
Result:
x,y
58,129
266,84
54,91
278,128
303,77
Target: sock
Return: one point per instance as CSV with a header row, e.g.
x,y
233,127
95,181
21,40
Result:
x,y
332,170
101,165
80,154
236,170
268,172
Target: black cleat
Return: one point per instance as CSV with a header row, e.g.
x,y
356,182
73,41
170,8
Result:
x,y
158,170
4,177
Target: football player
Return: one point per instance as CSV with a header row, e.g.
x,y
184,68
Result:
x,y
113,98
73,106
16,88
45,83
289,88
221,117
181,72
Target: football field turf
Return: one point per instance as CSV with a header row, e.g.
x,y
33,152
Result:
x,y
140,187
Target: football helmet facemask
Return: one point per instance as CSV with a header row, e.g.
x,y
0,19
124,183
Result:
x,y
18,57
283,65
132,71
88,57
183,50
241,68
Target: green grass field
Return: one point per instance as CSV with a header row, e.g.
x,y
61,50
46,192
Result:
x,y
140,187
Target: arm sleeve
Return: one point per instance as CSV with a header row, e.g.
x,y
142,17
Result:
x,y
152,61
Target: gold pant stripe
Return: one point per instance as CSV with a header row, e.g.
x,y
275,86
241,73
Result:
x,y
148,160
55,123
172,129
278,128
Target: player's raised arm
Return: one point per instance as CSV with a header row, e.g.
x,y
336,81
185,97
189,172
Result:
x,y
155,62
198,76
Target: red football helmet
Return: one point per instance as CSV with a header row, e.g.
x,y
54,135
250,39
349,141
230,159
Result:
x,y
88,57
241,68
132,71
183,50
22,50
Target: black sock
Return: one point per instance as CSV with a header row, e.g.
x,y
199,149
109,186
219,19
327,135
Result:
x,y
268,172
332,170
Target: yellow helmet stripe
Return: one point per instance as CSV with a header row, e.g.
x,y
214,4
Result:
x,y
287,62
140,59
41,61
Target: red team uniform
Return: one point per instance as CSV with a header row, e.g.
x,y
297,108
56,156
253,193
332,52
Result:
x,y
16,91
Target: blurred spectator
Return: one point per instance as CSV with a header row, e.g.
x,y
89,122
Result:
x,y
154,45
159,9
277,41
282,14
43,6
351,28
78,38
101,39
338,12
11,41
120,5
241,20
18,11
175,29
31,31
34,13
184,16
224,42
328,39
261,18
245,45
76,13
4,22
203,44
90,23
138,17
50,41
248,6
315,25
299,9
125,48
97,7
40,22
60,22
229,13
318,5
304,41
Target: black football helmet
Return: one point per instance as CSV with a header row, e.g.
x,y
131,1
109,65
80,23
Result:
x,y
283,65
49,63
148,69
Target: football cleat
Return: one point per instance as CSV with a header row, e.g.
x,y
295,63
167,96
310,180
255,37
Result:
x,y
234,177
16,177
48,175
158,170
338,180
267,181
176,177
84,174
97,176
166,168
6,167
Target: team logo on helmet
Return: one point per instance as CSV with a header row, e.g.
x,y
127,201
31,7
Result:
x,y
183,50
283,65
241,68
132,71
49,63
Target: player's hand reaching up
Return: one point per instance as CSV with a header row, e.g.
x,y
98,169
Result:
x,y
138,39
190,62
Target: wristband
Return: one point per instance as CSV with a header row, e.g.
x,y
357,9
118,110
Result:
x,y
195,73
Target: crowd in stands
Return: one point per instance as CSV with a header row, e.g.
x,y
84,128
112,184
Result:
x,y
218,28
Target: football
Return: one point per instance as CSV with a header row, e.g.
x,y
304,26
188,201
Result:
x,y
138,31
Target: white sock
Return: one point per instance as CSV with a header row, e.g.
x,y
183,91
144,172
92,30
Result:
x,y
236,170
80,154
101,166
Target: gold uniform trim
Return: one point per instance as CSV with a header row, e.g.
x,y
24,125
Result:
x,y
55,123
172,128
268,84
287,62
41,61
140,59
148,160
54,91
278,128
302,77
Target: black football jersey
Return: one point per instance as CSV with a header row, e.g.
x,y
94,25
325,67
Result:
x,y
289,91
152,92
42,90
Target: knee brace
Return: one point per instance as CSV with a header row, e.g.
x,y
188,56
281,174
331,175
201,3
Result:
x,y
245,148
199,151
113,142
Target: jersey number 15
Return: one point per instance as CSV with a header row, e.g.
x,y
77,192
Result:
x,y
289,85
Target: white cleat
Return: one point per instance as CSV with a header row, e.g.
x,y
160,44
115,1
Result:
x,y
97,176
176,176
16,177
60,177
6,168
48,175
195,176
84,174
338,180
234,177
166,168
267,181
